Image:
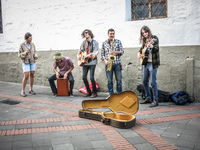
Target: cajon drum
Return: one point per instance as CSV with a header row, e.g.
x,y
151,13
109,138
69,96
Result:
x,y
62,87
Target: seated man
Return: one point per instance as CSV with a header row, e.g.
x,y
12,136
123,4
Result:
x,y
65,66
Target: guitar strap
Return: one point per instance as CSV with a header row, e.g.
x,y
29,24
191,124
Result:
x,y
88,46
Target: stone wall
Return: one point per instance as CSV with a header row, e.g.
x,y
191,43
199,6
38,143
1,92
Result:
x,y
179,70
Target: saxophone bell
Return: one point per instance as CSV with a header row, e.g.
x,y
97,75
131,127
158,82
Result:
x,y
111,59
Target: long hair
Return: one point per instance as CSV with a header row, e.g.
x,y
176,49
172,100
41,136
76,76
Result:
x,y
89,32
142,38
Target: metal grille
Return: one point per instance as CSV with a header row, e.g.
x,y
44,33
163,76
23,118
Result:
x,y
148,9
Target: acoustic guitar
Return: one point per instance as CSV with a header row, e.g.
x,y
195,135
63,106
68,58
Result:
x,y
145,56
84,57
123,106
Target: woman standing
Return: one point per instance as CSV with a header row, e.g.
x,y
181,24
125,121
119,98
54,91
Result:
x,y
27,53
149,52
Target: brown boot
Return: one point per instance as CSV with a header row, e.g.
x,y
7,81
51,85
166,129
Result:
x,y
87,94
94,95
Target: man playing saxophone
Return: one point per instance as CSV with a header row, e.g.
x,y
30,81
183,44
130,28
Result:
x,y
111,52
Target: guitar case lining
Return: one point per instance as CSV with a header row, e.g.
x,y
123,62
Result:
x,y
122,105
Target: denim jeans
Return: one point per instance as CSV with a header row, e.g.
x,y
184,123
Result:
x,y
86,68
150,73
53,86
118,76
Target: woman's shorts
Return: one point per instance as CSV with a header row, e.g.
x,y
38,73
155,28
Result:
x,y
28,67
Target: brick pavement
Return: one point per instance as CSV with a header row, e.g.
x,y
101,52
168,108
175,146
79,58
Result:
x,y
43,122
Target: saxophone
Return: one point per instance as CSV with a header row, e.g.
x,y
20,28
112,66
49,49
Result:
x,y
111,58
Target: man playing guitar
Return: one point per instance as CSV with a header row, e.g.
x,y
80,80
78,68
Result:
x,y
87,57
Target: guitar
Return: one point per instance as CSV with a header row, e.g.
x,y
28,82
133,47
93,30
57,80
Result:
x,y
144,58
122,105
145,53
84,57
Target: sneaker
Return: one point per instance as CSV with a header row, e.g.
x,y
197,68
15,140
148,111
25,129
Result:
x,y
93,95
32,92
71,95
23,94
154,104
87,94
54,95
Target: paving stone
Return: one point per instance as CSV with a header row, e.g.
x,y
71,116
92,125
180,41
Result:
x,y
59,134
91,131
7,127
157,132
96,137
184,148
170,135
25,148
186,144
22,137
104,144
38,125
174,130
22,144
192,127
43,148
82,145
136,140
60,140
170,140
36,136
127,133
23,126
191,132
178,125
6,145
144,146
67,146
41,142
54,124
77,122
6,138
188,137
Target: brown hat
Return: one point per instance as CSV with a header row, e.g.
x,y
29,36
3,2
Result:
x,y
57,56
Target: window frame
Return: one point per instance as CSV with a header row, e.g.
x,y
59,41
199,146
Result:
x,y
1,22
149,2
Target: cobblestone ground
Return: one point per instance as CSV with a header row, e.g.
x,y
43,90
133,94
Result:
x,y
41,122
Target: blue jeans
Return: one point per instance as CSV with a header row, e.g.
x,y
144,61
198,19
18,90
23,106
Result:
x,y
118,76
151,73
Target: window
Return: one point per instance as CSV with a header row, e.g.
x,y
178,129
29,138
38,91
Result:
x,y
148,9
1,26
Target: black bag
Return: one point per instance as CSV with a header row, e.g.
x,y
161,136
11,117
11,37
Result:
x,y
162,95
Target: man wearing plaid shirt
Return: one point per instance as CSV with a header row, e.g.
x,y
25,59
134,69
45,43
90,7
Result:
x,y
116,66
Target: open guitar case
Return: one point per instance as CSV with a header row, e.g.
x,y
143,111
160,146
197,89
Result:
x,y
122,105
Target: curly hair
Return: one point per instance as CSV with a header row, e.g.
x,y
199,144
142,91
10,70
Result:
x,y
89,32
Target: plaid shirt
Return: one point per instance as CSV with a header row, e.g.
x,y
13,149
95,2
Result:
x,y
106,48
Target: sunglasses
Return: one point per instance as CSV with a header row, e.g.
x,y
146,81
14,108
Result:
x,y
85,32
